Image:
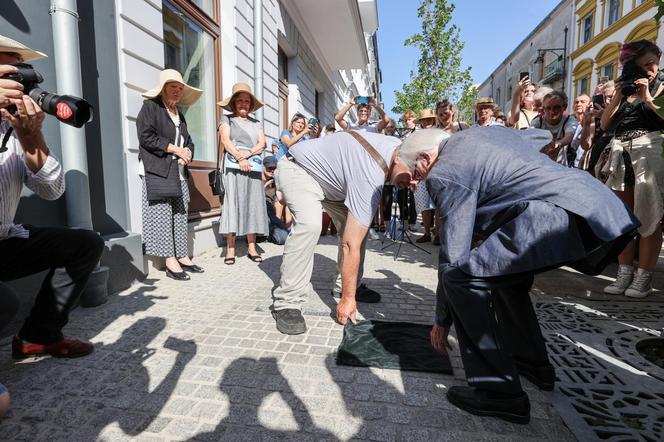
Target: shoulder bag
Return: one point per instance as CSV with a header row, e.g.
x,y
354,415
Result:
x,y
214,178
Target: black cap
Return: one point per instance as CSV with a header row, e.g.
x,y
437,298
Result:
x,y
270,161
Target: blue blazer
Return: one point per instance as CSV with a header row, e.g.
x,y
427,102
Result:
x,y
491,183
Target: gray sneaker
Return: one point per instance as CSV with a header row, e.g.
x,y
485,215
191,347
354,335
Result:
x,y
290,321
623,280
641,286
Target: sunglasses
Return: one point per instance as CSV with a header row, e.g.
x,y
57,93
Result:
x,y
553,108
270,169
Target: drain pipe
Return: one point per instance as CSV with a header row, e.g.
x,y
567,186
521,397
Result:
x,y
67,59
64,17
258,55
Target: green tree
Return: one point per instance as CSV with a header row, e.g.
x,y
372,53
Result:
x,y
439,74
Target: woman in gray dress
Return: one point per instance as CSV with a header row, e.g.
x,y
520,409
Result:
x,y
243,139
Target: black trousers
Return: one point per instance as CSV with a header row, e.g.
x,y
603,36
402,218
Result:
x,y
495,322
69,255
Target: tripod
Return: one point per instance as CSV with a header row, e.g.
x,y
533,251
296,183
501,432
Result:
x,y
398,235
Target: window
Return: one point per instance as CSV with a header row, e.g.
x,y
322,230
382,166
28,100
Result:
x,y
498,96
189,49
587,29
205,5
614,11
283,89
607,71
583,86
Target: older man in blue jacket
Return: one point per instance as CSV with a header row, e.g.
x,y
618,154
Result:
x,y
528,214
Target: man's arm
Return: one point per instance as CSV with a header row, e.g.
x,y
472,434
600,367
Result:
x,y
351,244
458,205
384,118
339,117
43,173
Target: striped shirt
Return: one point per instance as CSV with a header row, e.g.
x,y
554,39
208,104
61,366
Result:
x,y
48,183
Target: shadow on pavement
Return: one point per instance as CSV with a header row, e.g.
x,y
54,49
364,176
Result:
x,y
241,384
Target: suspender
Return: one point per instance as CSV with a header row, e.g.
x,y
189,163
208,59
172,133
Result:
x,y
371,150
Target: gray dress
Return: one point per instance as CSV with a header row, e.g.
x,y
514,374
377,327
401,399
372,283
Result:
x,y
244,209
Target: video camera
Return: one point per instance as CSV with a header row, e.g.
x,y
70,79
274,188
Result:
x,y
630,73
70,110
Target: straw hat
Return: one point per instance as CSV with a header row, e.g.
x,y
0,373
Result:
x,y
425,114
485,101
237,88
190,95
9,45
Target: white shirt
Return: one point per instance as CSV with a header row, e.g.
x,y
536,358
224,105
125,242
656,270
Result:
x,y
369,127
48,183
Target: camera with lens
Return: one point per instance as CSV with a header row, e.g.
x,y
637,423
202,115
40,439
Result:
x,y
70,110
630,73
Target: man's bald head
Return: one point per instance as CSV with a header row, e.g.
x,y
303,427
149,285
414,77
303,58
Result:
x,y
424,140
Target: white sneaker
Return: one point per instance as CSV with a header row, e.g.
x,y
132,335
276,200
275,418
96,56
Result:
x,y
623,280
641,286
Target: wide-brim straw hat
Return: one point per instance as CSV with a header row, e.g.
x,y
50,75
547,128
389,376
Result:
x,y
424,115
237,88
27,54
189,95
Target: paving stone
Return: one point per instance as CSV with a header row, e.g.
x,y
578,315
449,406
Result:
x,y
240,379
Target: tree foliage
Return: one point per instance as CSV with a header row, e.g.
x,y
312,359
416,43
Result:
x,y
439,74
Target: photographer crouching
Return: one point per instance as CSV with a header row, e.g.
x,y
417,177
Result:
x,y
632,166
69,255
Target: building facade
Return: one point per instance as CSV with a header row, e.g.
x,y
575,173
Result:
x,y
543,54
601,28
308,60
595,31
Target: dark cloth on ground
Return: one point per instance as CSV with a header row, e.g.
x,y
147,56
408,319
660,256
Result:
x,y
395,345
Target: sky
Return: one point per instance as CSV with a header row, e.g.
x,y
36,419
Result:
x,y
490,30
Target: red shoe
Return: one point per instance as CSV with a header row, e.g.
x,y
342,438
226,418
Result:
x,y
66,348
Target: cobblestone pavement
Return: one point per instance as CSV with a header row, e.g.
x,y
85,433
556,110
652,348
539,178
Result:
x,y
202,360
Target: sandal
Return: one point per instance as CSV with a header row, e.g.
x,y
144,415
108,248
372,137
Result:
x,y
255,258
229,261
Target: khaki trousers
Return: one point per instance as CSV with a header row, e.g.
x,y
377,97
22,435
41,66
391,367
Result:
x,y
306,200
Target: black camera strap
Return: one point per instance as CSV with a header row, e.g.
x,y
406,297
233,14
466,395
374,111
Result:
x,y
5,139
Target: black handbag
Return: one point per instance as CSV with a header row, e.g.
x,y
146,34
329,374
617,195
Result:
x,y
159,188
214,179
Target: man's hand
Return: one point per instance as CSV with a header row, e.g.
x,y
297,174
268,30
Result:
x,y
27,121
9,89
439,340
346,309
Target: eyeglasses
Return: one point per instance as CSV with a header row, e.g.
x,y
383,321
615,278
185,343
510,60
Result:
x,y
555,108
270,169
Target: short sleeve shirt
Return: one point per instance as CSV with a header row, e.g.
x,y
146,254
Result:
x,y
283,149
369,127
345,171
557,130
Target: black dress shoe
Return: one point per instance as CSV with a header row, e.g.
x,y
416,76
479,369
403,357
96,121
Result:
x,y
512,408
178,276
543,376
192,268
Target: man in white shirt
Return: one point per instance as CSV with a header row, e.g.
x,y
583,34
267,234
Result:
x,y
69,255
345,176
363,115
